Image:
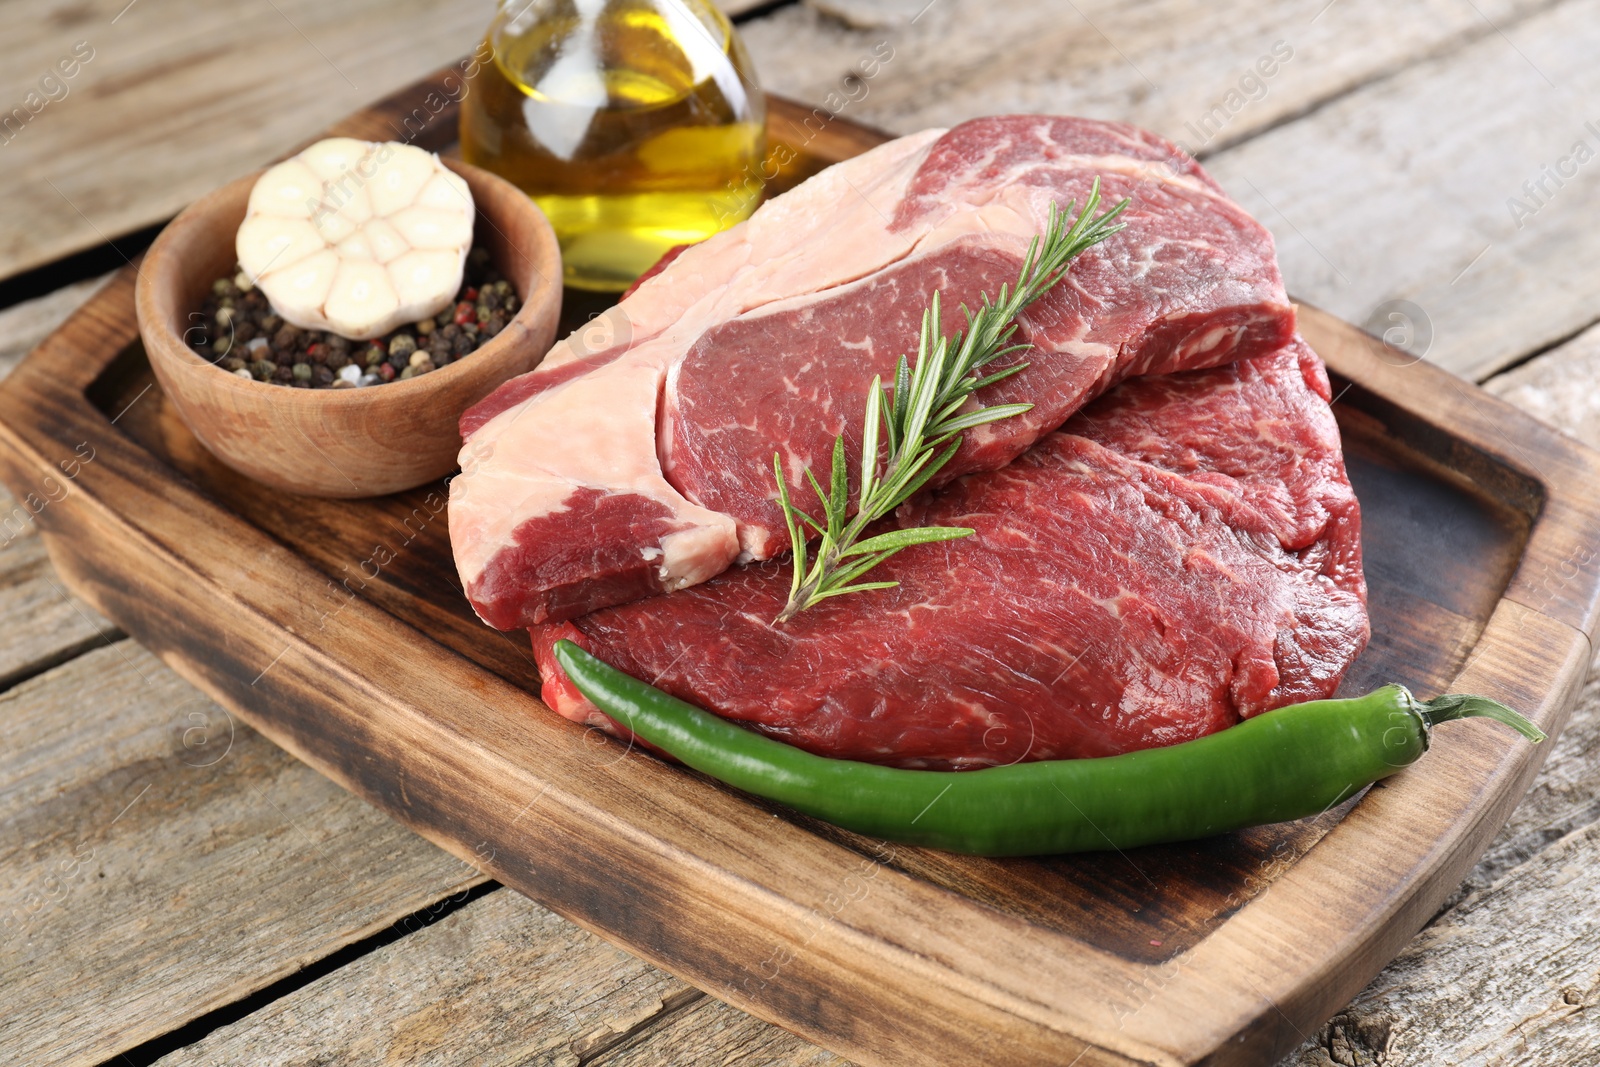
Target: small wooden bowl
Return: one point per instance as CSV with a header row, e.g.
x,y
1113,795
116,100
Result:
x,y
341,442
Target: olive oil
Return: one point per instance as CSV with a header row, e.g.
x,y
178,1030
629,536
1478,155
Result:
x,y
635,125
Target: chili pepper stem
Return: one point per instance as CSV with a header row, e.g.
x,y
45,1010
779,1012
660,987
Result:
x,y
1459,706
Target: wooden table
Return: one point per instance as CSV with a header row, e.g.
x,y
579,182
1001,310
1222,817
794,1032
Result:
x,y
177,890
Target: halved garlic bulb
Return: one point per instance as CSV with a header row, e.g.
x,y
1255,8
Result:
x,y
357,237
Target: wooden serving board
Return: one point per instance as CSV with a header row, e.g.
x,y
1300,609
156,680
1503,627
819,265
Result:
x,y
337,629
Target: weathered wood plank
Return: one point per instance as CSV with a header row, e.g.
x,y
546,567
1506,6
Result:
x,y
1168,65
1400,189
1562,386
502,980
1510,977
161,859
1426,187
709,1031
177,97
41,624
24,325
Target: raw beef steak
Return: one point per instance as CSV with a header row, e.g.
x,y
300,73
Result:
x,y
602,477
1184,553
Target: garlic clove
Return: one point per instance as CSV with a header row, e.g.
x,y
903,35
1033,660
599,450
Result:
x,y
446,191
270,242
361,297
432,228
400,178
335,157
386,242
305,284
356,246
290,189
333,226
420,273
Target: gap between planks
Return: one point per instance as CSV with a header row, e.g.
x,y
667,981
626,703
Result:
x,y
199,1028
501,980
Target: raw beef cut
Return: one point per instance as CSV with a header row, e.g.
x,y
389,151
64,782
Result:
x,y
605,476
1184,553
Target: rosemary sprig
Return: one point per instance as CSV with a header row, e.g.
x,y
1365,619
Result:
x,y
913,428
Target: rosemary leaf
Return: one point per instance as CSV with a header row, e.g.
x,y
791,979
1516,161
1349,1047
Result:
x,y
895,540
913,428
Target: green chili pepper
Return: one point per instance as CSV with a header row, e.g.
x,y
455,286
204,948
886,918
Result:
x,y
1284,764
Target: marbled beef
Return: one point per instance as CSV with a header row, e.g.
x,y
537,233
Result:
x,y
606,476
1183,554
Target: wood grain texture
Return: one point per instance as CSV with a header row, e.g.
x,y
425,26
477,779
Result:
x,y
501,981
1561,387
24,325
1533,824
341,442
41,623
709,1031
760,910
1390,145
1405,190
1167,65
1535,1006
225,88
162,859
228,87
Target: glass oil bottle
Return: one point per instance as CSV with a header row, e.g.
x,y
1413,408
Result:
x,y
636,125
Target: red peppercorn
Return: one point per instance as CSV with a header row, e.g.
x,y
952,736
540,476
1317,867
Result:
x,y
386,371
470,295
466,312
